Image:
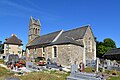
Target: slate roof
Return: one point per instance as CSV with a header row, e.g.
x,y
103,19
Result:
x,y
113,54
45,39
13,40
72,35
69,36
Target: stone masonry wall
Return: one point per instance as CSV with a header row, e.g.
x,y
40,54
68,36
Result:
x,y
68,54
89,36
13,49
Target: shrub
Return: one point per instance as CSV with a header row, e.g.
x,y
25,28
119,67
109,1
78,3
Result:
x,y
114,72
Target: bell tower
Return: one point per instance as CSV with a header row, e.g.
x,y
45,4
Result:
x,y
34,29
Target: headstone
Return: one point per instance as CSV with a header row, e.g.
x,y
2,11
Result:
x,y
74,68
97,64
88,63
108,62
29,64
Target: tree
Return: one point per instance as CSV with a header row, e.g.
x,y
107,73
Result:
x,y
103,47
109,43
1,47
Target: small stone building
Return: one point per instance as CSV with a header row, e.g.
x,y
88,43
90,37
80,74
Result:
x,y
62,47
13,45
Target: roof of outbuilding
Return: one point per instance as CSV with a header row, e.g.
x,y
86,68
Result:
x,y
113,54
69,36
13,40
113,51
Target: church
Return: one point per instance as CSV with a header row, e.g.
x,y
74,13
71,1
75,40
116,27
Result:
x,y
62,47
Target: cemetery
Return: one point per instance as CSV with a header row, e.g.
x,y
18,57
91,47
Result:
x,y
99,69
77,72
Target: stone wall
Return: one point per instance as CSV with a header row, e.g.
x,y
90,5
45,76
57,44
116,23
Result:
x,y
39,52
13,49
89,36
68,54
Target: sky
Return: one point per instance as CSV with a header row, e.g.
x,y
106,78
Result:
x,y
102,15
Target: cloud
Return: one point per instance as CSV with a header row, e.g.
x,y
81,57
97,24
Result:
x,y
19,6
27,8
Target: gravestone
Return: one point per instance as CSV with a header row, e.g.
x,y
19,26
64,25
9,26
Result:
x,y
108,62
97,64
29,64
74,68
77,75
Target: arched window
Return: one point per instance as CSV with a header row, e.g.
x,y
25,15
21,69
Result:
x,y
36,31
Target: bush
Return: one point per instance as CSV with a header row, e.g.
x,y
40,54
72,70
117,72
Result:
x,y
1,61
114,72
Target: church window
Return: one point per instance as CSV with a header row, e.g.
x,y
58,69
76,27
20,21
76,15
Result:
x,y
33,30
89,46
36,31
55,51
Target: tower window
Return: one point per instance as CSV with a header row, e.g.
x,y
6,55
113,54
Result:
x,y
36,31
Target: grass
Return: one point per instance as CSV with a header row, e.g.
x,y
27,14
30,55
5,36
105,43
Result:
x,y
45,75
112,77
1,61
4,73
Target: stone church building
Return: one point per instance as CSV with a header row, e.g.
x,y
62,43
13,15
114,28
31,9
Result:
x,y
62,47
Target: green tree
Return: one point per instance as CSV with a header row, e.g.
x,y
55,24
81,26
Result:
x,y
103,47
109,43
1,47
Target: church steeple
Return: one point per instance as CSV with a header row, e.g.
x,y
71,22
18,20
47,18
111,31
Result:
x,y
34,29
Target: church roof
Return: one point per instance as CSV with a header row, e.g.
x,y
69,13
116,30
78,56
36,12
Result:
x,y
45,39
13,40
71,36
61,37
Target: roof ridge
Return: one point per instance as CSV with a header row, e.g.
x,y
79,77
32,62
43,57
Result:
x,y
59,34
77,28
51,33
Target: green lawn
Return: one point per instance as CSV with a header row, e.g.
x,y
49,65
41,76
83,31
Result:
x,y
45,75
1,61
4,73
112,77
